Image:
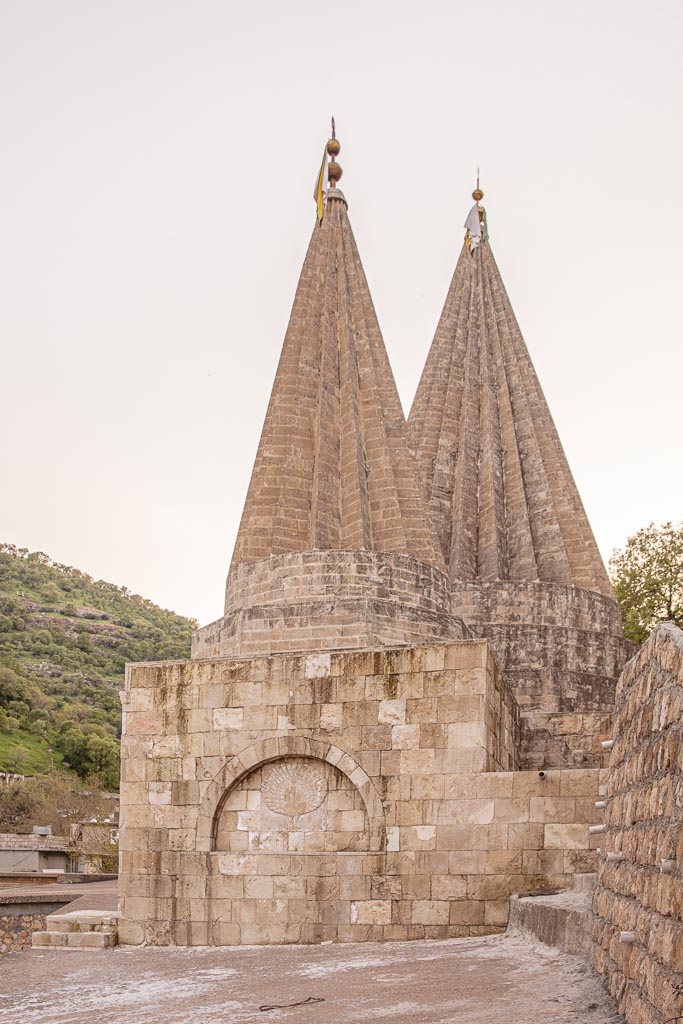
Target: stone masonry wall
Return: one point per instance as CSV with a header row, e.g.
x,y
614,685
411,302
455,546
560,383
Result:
x,y
561,650
324,600
644,815
343,796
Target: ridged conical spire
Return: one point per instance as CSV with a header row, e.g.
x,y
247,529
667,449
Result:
x,y
333,469
502,496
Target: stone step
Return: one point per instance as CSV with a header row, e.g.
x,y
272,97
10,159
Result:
x,y
585,881
74,940
84,929
82,921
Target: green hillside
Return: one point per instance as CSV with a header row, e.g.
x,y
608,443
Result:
x,y
64,642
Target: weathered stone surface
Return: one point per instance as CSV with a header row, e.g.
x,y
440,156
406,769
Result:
x,y
525,569
560,649
16,931
644,815
335,547
356,797
323,600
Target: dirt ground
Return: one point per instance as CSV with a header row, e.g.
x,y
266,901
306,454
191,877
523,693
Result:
x,y
496,980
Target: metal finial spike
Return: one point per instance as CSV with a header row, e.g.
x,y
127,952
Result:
x,y
333,131
477,194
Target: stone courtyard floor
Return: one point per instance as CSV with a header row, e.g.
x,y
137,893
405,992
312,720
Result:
x,y
495,980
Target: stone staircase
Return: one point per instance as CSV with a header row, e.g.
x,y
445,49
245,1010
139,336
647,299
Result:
x,y
562,920
80,929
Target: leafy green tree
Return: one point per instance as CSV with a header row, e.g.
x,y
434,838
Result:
x,y
12,687
647,574
103,759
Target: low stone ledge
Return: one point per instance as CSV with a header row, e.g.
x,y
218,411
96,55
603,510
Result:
x,y
562,921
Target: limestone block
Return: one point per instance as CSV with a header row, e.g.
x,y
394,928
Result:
x,y
144,723
496,912
488,887
167,746
416,887
502,862
471,837
433,735
543,862
460,786
225,933
463,760
460,708
317,666
371,912
418,837
580,783
421,711
247,692
565,837
159,792
91,940
414,762
405,737
466,912
430,911
465,812
495,784
527,836
466,862
548,808
393,712
228,718
331,716
514,810
449,887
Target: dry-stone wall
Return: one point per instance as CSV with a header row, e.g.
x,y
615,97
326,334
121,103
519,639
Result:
x,y
16,931
639,898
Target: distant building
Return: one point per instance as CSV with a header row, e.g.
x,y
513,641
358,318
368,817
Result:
x,y
35,851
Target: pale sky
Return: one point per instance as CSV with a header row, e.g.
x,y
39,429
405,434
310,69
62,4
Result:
x,y
156,171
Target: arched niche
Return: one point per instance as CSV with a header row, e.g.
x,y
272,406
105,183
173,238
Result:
x,y
292,805
243,764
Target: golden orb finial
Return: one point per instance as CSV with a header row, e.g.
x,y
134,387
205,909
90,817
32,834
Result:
x,y
334,171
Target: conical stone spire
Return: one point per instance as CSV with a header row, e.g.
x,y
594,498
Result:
x,y
335,547
524,568
501,493
333,469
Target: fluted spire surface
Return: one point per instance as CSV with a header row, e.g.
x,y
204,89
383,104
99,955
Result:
x,y
502,496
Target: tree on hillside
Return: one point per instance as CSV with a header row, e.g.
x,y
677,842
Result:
x,y
57,800
647,574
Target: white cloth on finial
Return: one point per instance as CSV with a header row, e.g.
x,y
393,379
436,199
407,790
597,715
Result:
x,y
473,226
